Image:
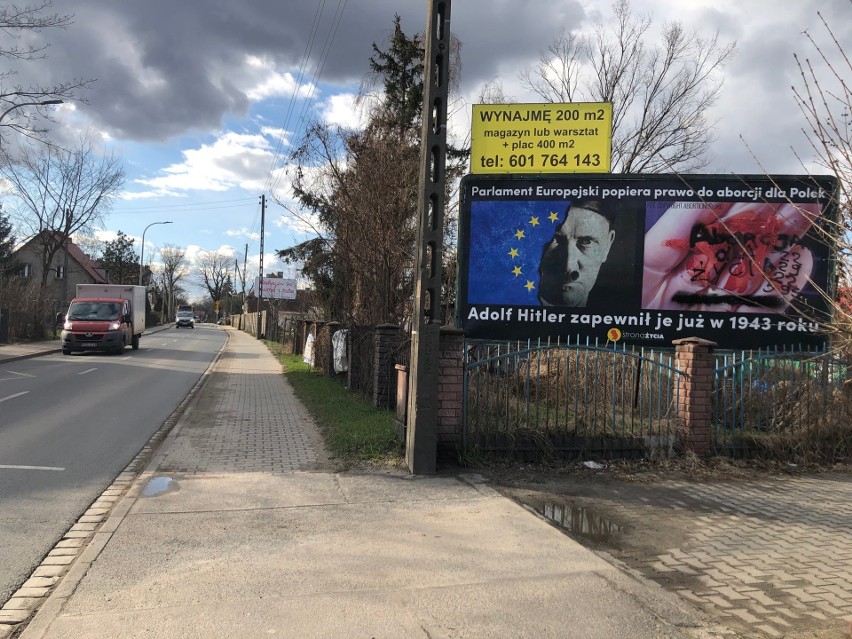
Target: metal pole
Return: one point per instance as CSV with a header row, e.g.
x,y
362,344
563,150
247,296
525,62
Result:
x,y
421,450
142,255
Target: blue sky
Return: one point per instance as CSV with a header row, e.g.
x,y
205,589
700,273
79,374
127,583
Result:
x,y
203,99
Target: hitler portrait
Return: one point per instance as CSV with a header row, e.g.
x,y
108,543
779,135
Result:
x,y
572,259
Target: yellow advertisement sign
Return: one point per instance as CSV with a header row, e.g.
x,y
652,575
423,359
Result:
x,y
541,138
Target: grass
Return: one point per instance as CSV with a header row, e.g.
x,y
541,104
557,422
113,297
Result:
x,y
354,431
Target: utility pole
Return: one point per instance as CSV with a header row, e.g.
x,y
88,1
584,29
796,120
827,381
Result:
x,y
421,449
260,281
243,279
234,287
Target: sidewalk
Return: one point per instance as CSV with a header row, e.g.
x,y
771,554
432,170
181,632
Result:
x,y
26,350
238,528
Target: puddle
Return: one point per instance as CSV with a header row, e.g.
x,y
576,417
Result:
x,y
159,485
580,521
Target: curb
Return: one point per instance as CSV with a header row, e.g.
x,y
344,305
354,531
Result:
x,y
50,351
34,606
17,358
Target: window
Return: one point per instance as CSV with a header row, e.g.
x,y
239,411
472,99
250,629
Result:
x,y
26,270
60,272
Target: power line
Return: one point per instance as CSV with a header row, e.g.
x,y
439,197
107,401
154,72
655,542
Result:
x,y
300,77
326,49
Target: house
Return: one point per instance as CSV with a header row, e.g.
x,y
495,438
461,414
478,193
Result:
x,y
70,266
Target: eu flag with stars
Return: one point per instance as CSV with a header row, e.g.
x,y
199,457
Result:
x,y
506,242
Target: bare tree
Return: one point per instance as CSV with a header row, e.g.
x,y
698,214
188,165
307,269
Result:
x,y
175,268
22,106
824,96
59,193
214,271
660,94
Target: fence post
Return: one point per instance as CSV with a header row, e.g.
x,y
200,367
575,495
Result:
x,y
450,391
693,357
384,374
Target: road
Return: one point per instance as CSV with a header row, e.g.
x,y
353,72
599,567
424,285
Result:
x,y
70,424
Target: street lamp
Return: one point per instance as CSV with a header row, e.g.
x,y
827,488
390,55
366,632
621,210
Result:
x,y
142,256
23,104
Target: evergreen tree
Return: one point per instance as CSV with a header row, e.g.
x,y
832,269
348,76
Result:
x,y
400,69
7,244
120,260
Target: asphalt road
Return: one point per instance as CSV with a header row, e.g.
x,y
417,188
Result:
x,y
70,424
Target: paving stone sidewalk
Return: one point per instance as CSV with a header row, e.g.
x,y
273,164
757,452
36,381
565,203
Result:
x,y
770,557
259,426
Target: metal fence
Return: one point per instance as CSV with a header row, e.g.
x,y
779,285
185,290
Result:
x,y
535,399
782,404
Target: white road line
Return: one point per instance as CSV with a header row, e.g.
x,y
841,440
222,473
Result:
x,y
3,399
21,374
10,467
89,370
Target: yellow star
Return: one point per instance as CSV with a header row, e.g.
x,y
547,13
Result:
x,y
529,285
513,253
553,216
520,234
516,271
534,221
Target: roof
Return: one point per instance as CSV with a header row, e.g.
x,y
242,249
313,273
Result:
x,y
90,266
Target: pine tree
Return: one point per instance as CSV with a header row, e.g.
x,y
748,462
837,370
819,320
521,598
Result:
x,y
400,69
120,260
7,244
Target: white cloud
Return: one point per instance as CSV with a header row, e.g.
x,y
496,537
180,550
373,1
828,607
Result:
x,y
341,110
243,232
232,160
271,83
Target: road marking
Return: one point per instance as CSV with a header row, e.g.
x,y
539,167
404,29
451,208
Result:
x,y
14,379
3,399
89,370
10,467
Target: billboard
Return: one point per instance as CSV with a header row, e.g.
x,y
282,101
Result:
x,y
275,288
541,138
743,261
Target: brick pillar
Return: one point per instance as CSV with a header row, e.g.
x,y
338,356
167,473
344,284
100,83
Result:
x,y
693,356
319,346
387,339
330,329
450,392
300,334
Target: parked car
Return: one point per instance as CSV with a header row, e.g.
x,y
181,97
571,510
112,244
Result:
x,y
185,319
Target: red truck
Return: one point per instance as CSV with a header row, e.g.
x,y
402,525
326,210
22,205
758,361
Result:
x,y
104,317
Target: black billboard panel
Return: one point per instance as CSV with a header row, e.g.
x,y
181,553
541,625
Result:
x,y
744,261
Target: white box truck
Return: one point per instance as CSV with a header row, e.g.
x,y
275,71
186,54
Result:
x,y
104,317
